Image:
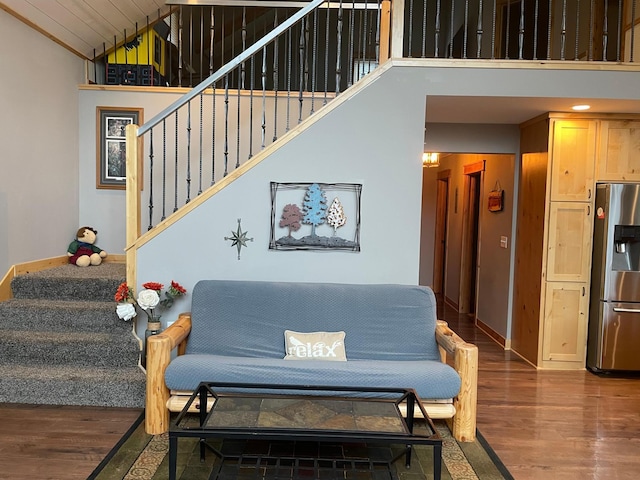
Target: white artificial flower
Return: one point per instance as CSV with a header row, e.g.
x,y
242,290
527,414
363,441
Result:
x,y
148,299
126,311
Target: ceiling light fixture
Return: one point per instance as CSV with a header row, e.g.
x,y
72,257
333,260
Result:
x,y
579,108
430,159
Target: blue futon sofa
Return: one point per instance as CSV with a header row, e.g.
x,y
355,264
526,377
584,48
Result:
x,y
369,336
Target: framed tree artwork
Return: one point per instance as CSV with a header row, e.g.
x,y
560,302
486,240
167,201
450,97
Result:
x,y
111,157
315,216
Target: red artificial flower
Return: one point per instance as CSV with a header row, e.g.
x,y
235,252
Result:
x,y
177,289
153,286
123,293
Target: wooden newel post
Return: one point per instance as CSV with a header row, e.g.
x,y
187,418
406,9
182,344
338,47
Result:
x,y
156,412
464,422
397,28
133,156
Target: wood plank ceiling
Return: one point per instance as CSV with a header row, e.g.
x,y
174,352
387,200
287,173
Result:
x,y
84,25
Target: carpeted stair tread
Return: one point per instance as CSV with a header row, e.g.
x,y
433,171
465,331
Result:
x,y
67,348
72,385
68,282
61,315
61,342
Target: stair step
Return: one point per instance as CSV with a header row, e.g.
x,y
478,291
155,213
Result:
x,y
60,385
61,316
69,282
67,348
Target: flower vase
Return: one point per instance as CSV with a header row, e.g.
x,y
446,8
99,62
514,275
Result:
x,y
153,328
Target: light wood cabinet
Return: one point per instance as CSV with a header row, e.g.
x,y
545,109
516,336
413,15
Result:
x,y
569,245
564,330
573,148
619,151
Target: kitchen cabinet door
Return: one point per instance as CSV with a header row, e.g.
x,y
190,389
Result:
x,y
573,160
619,151
569,242
565,322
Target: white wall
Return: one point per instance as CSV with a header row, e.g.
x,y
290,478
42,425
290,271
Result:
x,y
39,157
375,139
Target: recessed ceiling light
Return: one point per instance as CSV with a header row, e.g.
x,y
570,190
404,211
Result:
x,y
581,107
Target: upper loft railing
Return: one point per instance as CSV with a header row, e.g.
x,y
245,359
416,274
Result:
x,y
195,40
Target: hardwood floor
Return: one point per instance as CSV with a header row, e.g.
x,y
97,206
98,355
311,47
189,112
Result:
x,y
58,443
542,424
553,424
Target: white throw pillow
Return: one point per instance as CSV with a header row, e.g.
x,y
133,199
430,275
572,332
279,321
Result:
x,y
314,346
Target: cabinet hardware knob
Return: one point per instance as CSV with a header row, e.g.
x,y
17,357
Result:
x,y
589,194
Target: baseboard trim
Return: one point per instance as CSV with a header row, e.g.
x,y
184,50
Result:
x,y
451,303
491,333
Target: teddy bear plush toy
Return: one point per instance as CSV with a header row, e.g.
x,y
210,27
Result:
x,y
83,251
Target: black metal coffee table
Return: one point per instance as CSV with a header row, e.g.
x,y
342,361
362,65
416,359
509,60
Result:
x,y
322,414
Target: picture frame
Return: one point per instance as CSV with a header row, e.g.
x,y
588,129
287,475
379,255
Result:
x,y
111,123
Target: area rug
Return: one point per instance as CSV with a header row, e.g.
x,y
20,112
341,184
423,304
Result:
x,y
139,456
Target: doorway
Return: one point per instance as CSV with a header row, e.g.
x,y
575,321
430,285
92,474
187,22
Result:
x,y
440,246
473,178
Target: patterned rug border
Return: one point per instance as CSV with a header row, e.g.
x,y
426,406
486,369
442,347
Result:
x,y
138,455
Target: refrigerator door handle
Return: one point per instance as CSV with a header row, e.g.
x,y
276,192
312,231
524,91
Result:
x,y
626,310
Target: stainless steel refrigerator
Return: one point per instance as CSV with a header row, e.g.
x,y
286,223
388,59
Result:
x,y
614,313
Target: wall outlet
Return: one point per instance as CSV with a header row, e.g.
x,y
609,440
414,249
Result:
x,y
503,241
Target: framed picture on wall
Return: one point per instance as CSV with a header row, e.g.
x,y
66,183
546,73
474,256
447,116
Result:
x,y
111,156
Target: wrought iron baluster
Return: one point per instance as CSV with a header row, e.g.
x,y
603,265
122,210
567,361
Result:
x,y
126,56
314,60
605,32
252,83
226,125
211,43
275,79
339,49
213,133
633,28
263,76
409,40
591,25
423,51
351,44
301,45
289,62
619,43
243,34
201,56
521,31
200,152
150,180
479,30
465,34
164,169
536,16
188,152
175,175
577,40
493,29
453,13
507,36
365,40
326,55
563,30
437,30
180,20
190,47
549,30
238,125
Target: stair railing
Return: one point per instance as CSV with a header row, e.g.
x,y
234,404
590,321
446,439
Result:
x,y
251,102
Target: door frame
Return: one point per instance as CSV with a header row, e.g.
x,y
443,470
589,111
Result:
x,y
470,248
440,232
